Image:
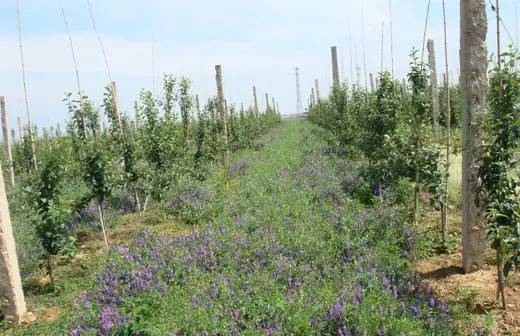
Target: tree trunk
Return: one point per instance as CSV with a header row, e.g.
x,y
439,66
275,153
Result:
x,y
434,87
222,111
12,301
7,146
335,69
473,81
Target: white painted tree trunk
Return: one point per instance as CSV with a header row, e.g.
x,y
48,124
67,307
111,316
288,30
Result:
x,y
473,82
335,68
434,88
7,145
12,300
222,111
372,84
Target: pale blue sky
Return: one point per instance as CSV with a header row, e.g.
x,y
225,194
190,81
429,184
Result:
x,y
257,42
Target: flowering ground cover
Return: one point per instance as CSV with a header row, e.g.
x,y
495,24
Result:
x,y
289,252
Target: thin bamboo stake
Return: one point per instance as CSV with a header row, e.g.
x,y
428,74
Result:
x,y
363,41
382,45
391,37
500,257
71,45
76,69
445,205
105,58
425,29
103,228
24,80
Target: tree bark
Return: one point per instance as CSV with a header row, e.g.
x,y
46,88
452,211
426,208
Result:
x,y
335,69
473,81
12,300
434,88
222,111
7,146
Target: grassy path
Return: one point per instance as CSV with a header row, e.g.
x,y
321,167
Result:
x,y
285,250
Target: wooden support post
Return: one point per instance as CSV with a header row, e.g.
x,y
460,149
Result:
x,y
473,85
267,107
7,147
372,84
222,111
434,88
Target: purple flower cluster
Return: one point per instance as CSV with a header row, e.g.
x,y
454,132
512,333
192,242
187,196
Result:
x,y
239,168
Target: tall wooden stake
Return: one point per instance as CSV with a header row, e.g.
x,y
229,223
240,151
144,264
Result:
x,y
473,60
24,80
222,111
7,147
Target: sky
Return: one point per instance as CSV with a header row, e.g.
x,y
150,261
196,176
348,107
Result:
x,y
256,42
